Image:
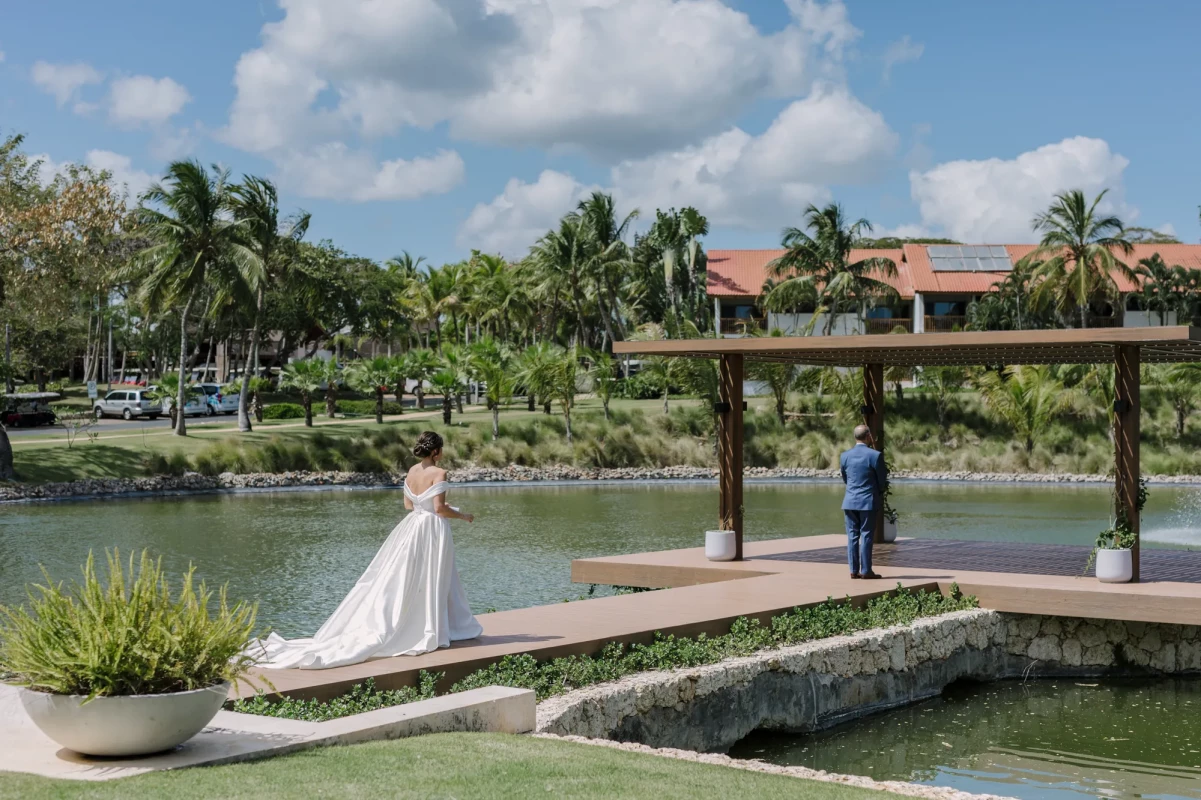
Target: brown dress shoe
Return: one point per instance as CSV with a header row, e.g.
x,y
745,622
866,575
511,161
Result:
x,y
871,576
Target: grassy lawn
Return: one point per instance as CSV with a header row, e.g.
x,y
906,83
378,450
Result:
x,y
457,765
121,453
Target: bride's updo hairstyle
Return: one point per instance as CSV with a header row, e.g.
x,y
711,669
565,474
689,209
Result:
x,y
427,444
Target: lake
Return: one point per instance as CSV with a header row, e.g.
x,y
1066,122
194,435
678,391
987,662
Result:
x,y
298,552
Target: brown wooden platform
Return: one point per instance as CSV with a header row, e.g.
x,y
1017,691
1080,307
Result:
x,y
778,575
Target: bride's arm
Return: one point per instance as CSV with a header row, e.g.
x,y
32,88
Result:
x,y
443,510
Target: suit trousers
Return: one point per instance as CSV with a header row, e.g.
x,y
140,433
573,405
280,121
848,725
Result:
x,y
860,530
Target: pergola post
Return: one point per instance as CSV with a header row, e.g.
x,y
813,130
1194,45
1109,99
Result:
x,y
729,447
1126,441
873,418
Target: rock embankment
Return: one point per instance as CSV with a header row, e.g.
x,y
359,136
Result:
x,y
228,481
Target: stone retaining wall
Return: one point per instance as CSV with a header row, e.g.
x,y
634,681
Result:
x,y
819,684
228,481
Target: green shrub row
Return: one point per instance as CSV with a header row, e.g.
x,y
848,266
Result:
x,y
283,411
615,661
366,408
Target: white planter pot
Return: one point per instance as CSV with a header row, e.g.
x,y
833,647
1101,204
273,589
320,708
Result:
x,y
1114,566
890,531
720,545
136,725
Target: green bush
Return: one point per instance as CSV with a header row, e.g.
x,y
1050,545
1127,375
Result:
x,y
283,411
175,463
127,636
615,660
366,408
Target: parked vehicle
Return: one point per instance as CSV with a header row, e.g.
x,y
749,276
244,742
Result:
x,y
195,406
219,402
27,409
129,403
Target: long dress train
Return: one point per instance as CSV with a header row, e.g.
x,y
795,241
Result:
x,y
409,601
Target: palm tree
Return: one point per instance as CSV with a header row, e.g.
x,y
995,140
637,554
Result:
x,y
534,370
256,387
1027,399
603,373
404,265
305,378
821,261
606,255
457,361
446,383
373,375
943,383
255,204
560,256
564,376
185,218
420,365
1163,287
491,363
1075,260
400,372
1178,384
333,376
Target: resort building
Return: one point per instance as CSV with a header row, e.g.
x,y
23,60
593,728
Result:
x,y
934,283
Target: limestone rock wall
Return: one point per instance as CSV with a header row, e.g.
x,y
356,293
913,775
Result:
x,y
820,684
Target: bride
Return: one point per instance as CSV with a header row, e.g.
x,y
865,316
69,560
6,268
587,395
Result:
x,y
410,600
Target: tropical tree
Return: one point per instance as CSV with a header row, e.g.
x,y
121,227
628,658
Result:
x,y
1179,385
375,376
256,386
190,236
255,205
446,384
420,366
1163,287
1026,398
491,364
333,377
534,370
817,260
603,373
606,256
559,258
306,378
564,380
400,372
1075,261
942,383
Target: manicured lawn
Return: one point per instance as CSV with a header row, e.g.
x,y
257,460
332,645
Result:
x,y
458,765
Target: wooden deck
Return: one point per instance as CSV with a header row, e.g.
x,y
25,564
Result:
x,y
778,575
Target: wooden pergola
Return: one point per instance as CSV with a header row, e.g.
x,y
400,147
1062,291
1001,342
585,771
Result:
x,y
1126,348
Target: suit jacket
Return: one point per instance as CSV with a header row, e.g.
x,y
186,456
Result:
x,y
863,473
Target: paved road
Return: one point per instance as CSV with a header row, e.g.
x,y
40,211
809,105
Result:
x,y
121,426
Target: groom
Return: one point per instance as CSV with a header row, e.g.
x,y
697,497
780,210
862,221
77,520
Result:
x,y
863,472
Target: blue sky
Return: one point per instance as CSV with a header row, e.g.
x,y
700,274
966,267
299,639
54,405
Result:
x,y
436,126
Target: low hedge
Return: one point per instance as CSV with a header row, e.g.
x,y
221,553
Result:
x,y
616,660
366,408
283,411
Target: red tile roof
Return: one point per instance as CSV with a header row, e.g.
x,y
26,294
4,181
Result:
x,y
741,273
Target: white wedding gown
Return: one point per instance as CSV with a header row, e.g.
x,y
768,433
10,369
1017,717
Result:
x,y
409,601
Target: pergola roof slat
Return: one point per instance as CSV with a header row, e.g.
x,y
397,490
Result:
x,y
1072,346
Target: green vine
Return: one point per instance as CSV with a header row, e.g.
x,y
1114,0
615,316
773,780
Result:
x,y
1120,535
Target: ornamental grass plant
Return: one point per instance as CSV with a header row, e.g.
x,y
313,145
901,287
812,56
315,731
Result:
x,y
125,634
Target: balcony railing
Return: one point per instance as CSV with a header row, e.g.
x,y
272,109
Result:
x,y
887,325
740,326
944,324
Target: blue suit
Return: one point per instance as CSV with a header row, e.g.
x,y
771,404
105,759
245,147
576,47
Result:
x,y
863,472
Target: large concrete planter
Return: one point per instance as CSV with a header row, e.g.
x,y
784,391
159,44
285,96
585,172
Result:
x,y
135,725
1114,566
720,545
890,532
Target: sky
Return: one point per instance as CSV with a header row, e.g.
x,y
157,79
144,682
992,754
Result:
x,y
441,126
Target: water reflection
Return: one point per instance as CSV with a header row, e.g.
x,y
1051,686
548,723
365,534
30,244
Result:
x,y
1044,739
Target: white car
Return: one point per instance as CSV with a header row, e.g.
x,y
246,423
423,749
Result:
x,y
128,403
217,401
195,407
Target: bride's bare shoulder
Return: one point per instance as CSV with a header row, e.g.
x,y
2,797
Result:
x,y
437,474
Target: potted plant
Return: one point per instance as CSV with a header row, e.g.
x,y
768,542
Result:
x,y
1113,553
720,545
121,667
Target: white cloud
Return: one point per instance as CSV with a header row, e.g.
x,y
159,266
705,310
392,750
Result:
x,y
734,178
122,170
522,213
1167,229
902,51
120,167
334,171
143,100
64,81
617,77
994,200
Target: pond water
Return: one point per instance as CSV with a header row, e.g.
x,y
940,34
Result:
x,y
1040,740
298,552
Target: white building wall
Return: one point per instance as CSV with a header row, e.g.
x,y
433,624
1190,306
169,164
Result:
x,y
1147,319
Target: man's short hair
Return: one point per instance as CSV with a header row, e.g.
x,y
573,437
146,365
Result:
x,y
862,432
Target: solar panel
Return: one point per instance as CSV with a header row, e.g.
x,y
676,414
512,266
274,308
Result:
x,y
969,258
